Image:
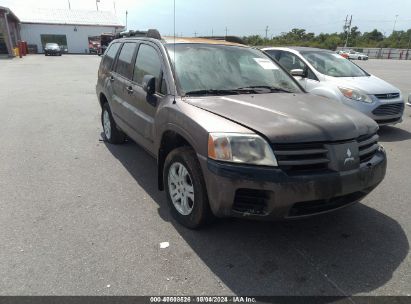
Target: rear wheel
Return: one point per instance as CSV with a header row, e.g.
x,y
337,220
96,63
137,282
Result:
x,y
111,132
185,188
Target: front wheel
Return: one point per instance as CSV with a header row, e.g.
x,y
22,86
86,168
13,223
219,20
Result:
x,y
185,188
111,132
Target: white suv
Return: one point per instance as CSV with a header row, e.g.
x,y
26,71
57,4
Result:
x,y
328,74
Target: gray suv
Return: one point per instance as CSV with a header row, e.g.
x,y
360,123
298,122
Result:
x,y
233,134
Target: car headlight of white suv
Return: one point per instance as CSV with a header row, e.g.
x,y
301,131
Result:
x,y
356,95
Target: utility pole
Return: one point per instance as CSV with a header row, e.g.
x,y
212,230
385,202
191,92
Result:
x,y
126,19
347,27
395,22
195,34
97,1
212,32
226,31
266,32
69,4
114,5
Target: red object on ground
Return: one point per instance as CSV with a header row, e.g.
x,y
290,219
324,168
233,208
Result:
x,y
23,48
26,48
20,46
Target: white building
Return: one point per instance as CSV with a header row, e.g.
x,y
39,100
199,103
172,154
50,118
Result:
x,y
71,28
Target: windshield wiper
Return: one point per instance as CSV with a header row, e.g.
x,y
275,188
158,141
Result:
x,y
212,92
244,90
263,89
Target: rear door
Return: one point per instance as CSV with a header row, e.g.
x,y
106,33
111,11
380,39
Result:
x,y
120,79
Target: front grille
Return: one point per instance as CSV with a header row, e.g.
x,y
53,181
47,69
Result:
x,y
301,157
251,201
387,96
388,121
389,109
367,146
318,206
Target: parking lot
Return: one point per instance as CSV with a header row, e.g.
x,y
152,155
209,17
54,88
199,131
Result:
x,y
82,217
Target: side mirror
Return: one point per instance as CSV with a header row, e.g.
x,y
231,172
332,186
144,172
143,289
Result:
x,y
149,84
298,72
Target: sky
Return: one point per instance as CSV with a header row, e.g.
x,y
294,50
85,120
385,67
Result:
x,y
243,17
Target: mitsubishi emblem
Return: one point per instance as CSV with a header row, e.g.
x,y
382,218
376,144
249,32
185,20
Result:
x,y
349,158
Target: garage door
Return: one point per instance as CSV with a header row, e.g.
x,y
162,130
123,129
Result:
x,y
61,40
3,47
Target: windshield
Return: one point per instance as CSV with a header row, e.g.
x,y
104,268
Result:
x,y
333,64
213,69
51,45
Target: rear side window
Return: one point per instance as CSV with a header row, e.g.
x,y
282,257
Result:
x,y
124,66
109,55
148,62
274,54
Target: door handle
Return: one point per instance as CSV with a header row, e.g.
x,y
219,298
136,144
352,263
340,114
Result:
x,y
111,78
129,90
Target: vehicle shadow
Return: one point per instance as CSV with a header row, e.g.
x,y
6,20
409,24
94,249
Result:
x,y
393,134
355,250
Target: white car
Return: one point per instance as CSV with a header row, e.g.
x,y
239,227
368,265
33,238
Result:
x,y
328,74
357,55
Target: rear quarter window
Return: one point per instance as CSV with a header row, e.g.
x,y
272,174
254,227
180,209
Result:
x,y
109,56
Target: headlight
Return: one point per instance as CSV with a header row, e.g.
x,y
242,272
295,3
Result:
x,y
355,95
240,148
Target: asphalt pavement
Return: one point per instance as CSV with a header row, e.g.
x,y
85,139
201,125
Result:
x,y
82,217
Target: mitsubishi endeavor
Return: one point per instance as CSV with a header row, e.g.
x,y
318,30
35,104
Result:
x,y
232,132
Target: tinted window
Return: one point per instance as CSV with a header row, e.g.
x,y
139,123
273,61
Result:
x,y
124,66
332,64
109,55
290,61
274,54
148,63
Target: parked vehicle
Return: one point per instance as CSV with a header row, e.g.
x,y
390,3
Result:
x,y
409,100
357,55
233,133
325,73
52,49
343,54
105,40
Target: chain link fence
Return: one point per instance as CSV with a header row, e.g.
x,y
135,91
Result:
x,y
383,53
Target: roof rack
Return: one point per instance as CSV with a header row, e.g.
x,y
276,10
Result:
x,y
234,39
151,33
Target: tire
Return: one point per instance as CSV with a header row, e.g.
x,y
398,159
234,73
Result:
x,y
200,213
111,132
359,58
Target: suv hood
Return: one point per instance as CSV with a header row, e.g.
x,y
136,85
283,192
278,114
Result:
x,y
368,84
289,118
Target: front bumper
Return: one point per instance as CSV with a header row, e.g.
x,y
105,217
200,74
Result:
x,y
287,196
53,52
372,110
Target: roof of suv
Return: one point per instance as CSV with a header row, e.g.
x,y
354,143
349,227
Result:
x,y
298,48
182,40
